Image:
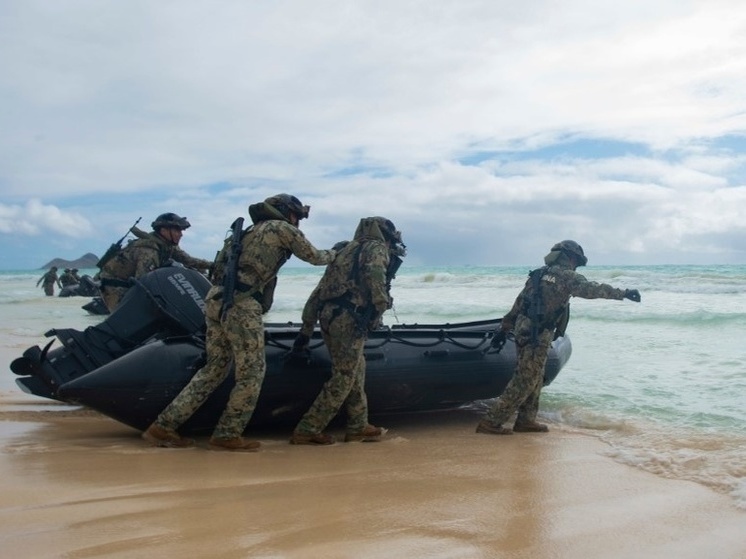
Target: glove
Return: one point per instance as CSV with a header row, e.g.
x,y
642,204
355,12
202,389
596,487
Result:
x,y
499,339
632,295
300,345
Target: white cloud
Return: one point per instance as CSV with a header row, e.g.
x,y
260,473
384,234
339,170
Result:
x,y
368,107
35,218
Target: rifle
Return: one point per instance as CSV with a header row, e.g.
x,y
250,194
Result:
x,y
114,249
230,274
394,264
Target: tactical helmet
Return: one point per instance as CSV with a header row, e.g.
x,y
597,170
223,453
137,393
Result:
x,y
571,248
170,220
286,203
391,234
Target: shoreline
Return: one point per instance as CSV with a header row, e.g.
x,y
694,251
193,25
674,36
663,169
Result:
x,y
78,484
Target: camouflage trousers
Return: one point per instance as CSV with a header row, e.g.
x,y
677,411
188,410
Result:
x,y
238,339
48,289
523,391
346,387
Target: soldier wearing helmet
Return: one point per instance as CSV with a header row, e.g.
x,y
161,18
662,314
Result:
x,y
237,335
540,315
48,281
349,301
67,278
146,253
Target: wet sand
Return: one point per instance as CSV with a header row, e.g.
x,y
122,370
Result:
x,y
75,484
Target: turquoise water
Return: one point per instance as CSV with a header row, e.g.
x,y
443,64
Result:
x,y
662,382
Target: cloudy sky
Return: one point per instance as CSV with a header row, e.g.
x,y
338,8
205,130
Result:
x,y
487,130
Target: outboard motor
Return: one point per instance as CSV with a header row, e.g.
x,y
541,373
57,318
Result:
x,y
164,303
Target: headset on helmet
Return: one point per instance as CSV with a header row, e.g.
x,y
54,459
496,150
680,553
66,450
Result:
x,y
571,248
170,220
286,203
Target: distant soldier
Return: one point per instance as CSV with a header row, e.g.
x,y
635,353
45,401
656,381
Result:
x,y
349,301
539,315
67,278
74,273
48,280
145,254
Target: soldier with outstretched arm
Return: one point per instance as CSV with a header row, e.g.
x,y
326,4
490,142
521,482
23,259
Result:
x,y
539,314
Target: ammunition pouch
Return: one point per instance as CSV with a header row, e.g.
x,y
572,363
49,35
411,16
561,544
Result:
x,y
362,315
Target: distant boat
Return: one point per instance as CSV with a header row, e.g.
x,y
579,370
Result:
x,y
86,288
136,361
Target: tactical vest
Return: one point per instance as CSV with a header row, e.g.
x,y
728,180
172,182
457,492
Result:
x,y
343,277
122,266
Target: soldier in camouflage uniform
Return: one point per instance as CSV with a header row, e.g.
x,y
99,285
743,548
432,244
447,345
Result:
x,y
350,299
539,316
237,336
48,280
144,254
67,278
75,276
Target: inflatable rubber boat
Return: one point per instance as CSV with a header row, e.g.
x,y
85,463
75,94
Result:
x,y
131,365
86,288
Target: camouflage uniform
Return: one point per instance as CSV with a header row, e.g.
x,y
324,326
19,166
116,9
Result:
x,y
239,336
48,280
75,276
350,299
558,283
139,257
67,278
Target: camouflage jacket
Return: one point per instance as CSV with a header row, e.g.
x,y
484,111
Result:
x,y
265,247
145,254
67,279
558,283
49,278
359,272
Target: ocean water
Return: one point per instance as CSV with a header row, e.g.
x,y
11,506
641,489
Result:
x,y
662,382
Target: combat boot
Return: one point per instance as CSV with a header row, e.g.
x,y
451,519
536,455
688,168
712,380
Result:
x,y
489,428
236,444
166,438
369,434
530,427
312,438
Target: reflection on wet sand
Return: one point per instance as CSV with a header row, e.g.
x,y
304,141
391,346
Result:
x,y
80,485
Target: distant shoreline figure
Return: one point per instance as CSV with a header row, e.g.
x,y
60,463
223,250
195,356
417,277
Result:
x,y
145,254
349,301
67,278
48,280
244,280
540,315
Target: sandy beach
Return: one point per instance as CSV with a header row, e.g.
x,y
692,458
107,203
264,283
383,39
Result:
x,y
75,484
